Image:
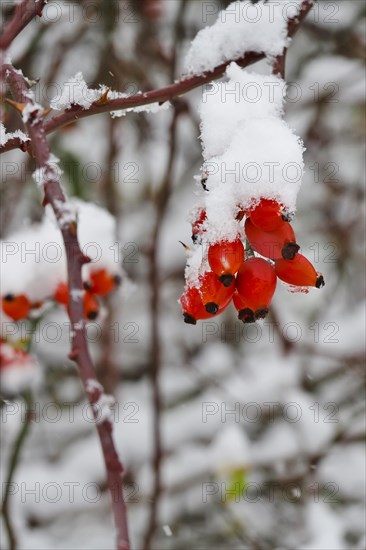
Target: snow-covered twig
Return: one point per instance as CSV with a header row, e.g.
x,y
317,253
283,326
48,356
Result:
x,y
160,95
32,115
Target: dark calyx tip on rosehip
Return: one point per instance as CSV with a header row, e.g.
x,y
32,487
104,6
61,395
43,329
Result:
x,y
212,308
189,319
261,313
226,279
9,297
287,215
246,315
92,315
117,280
320,282
86,285
289,251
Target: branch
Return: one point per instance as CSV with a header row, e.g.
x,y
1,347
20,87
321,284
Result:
x,y
24,13
54,195
13,464
160,95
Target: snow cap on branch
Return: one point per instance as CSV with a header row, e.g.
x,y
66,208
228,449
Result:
x,y
5,136
50,171
242,27
76,92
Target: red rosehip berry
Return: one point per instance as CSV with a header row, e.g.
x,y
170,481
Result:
x,y
225,259
192,305
215,296
280,243
16,306
61,294
266,215
256,284
91,305
298,272
245,313
102,282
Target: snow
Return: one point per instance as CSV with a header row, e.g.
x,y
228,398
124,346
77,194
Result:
x,y
332,470
18,370
242,27
230,449
76,92
5,136
67,213
93,385
244,96
103,408
326,528
34,260
151,108
49,172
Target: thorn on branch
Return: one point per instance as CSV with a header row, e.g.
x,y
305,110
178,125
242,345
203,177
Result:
x,y
19,107
103,100
73,229
74,354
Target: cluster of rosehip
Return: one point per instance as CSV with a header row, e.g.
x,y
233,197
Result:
x,y
100,283
248,280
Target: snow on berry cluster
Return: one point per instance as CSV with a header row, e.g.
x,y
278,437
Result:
x,y
34,268
252,170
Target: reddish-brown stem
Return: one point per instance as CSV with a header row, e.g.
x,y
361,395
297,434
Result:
x,y
54,196
279,65
24,13
160,95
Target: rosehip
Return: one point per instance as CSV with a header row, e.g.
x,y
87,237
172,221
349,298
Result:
x,y
298,272
256,284
245,313
16,307
197,225
62,294
193,308
272,244
215,296
266,215
225,258
91,305
102,282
